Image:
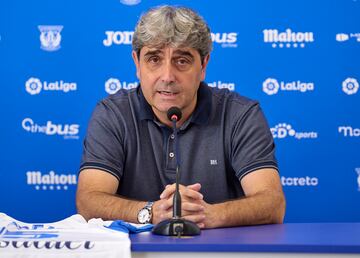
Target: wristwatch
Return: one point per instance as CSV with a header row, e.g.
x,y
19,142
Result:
x,y
145,214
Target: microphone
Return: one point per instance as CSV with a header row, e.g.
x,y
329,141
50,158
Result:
x,y
176,226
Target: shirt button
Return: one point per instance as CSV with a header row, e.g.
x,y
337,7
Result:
x,y
171,154
172,136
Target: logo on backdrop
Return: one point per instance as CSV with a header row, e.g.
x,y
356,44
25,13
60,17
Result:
x,y
118,38
348,131
68,131
299,181
287,38
342,37
284,130
50,181
112,85
50,37
125,38
350,86
130,2
222,85
225,39
34,86
272,86
358,177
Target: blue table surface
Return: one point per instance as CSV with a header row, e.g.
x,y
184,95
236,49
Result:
x,y
289,237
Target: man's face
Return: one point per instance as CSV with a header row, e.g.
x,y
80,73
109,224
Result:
x,y
170,77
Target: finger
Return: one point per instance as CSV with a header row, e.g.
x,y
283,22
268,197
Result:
x,y
188,193
192,207
168,191
195,187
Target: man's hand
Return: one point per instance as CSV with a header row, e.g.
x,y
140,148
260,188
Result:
x,y
192,206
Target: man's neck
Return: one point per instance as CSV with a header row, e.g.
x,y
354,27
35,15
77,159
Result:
x,y
186,113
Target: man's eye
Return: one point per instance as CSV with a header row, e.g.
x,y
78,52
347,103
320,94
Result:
x,y
154,59
182,61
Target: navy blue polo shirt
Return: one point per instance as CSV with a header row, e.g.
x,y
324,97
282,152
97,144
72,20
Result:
x,y
225,138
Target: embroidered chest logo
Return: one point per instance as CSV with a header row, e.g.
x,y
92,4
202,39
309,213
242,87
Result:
x,y
213,162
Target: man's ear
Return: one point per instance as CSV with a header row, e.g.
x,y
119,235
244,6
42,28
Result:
x,y
204,66
137,63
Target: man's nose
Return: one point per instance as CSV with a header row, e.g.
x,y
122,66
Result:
x,y
168,73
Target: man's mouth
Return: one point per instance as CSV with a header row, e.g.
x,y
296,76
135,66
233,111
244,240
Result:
x,y
167,93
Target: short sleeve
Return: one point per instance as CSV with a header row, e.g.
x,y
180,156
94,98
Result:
x,y
103,145
252,144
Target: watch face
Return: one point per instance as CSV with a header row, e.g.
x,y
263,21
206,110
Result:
x,y
144,216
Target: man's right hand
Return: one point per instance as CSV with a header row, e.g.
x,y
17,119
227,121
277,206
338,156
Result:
x,y
191,207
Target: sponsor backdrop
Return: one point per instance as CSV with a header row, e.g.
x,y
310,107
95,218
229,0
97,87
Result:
x,y
300,59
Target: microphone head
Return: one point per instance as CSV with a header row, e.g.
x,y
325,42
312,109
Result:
x,y
174,113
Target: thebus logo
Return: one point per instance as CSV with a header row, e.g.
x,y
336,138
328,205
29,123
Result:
x,y
225,39
69,131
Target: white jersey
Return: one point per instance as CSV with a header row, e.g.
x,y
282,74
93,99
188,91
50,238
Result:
x,y
71,237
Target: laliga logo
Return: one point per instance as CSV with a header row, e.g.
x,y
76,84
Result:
x,y
342,37
271,86
225,39
287,38
50,37
33,86
112,85
222,85
66,130
350,86
118,38
51,181
284,130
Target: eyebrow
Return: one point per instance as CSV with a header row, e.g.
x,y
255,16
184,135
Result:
x,y
176,52
183,53
153,52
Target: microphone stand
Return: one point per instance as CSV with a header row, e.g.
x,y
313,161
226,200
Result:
x,y
176,226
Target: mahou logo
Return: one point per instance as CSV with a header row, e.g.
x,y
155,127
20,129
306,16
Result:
x,y
50,181
287,38
34,86
68,131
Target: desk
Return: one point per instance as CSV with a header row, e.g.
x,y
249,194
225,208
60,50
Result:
x,y
284,240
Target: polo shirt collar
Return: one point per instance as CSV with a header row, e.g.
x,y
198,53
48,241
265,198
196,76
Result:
x,y
200,115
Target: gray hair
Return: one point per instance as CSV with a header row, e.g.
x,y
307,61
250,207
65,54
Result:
x,y
172,26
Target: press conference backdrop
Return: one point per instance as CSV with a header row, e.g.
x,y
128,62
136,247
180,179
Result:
x,y
300,59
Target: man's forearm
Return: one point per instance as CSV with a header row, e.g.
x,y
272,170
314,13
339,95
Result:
x,y
261,208
108,206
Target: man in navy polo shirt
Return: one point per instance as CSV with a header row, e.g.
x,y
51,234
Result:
x,y
228,169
